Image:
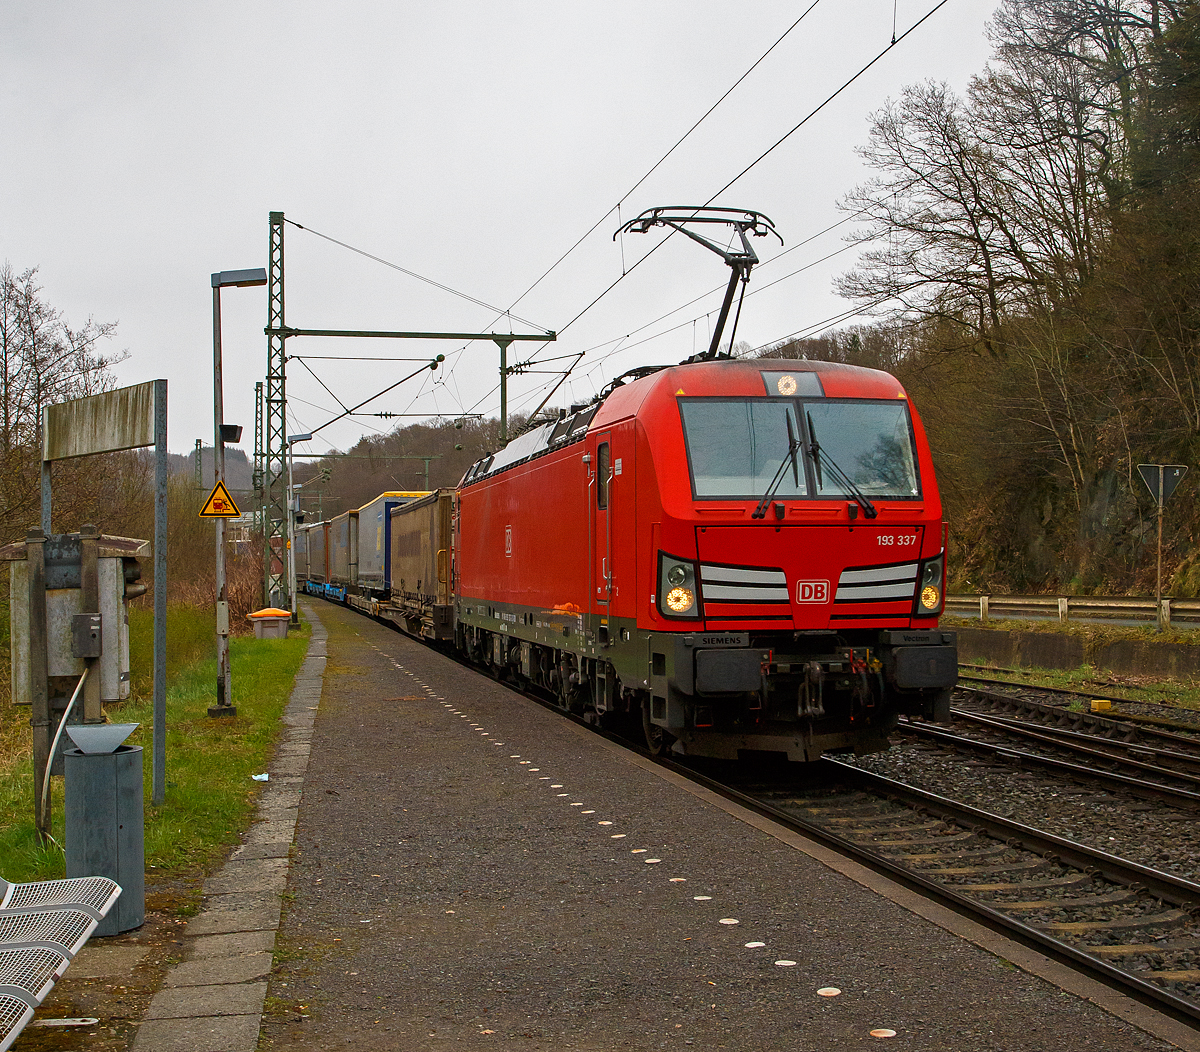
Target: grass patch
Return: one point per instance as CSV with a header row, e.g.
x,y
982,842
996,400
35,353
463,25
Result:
x,y
1103,683
210,796
1092,632
1180,690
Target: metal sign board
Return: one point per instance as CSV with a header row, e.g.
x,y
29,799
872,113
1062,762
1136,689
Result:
x,y
103,423
220,504
1161,479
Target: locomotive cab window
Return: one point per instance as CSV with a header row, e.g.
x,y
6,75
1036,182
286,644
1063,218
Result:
x,y
736,446
603,458
871,442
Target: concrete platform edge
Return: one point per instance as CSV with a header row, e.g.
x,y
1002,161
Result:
x,y
214,998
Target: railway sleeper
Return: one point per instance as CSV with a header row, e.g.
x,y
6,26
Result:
x,y
1142,949
1166,919
1112,898
915,841
915,827
970,871
1073,880
938,856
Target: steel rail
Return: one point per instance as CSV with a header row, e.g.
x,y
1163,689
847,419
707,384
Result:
x,y
1127,721
1136,786
1082,695
1091,743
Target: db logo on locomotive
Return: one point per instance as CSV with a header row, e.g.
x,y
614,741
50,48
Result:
x,y
812,591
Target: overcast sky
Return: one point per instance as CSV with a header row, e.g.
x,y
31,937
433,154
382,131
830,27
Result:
x,y
472,142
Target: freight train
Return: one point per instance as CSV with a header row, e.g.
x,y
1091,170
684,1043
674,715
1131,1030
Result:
x,y
745,558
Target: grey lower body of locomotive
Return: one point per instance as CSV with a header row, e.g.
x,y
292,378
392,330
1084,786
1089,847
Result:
x,y
721,694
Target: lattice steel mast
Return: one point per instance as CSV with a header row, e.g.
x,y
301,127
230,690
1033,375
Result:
x,y
274,464
256,480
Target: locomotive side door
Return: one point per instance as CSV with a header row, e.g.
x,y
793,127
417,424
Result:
x,y
600,501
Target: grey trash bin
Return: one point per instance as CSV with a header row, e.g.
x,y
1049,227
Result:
x,y
105,828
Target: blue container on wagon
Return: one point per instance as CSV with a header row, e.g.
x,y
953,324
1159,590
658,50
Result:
x,y
375,541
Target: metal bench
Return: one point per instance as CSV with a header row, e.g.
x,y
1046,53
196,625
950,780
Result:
x,y
43,925
88,893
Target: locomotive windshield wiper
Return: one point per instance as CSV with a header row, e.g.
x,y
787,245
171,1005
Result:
x,y
760,512
818,455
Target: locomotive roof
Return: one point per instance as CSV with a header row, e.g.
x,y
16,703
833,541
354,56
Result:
x,y
722,376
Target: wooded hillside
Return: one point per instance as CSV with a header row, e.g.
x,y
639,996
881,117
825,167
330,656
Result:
x,y
1033,246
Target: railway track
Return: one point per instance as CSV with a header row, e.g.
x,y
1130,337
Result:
x,y
1144,713
1092,759
1133,926
1055,707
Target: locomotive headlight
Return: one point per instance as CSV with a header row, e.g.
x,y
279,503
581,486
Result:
x,y
678,574
678,595
929,596
680,600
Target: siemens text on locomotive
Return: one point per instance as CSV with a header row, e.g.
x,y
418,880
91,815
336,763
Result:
x,y
746,557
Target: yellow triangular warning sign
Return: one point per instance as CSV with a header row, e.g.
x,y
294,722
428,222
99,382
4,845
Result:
x,y
219,505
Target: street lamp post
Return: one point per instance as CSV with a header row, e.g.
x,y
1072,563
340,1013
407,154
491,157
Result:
x,y
220,280
291,524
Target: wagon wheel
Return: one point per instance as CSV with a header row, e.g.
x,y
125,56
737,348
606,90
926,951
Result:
x,y
658,741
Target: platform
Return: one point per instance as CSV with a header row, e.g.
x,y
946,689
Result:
x,y
472,868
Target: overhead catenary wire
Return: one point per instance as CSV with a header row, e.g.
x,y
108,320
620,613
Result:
x,y
895,41
657,164
646,175
420,277
626,271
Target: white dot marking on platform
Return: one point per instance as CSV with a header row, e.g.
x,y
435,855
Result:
x,y
618,836
678,880
556,787
702,898
729,920
534,770
638,850
515,756
578,803
785,964
544,778
604,822
652,861
829,991
523,762
883,1031
587,812
755,945
562,794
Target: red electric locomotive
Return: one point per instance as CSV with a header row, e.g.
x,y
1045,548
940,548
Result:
x,y
747,556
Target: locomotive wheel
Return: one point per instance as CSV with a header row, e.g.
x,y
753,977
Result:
x,y
658,741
